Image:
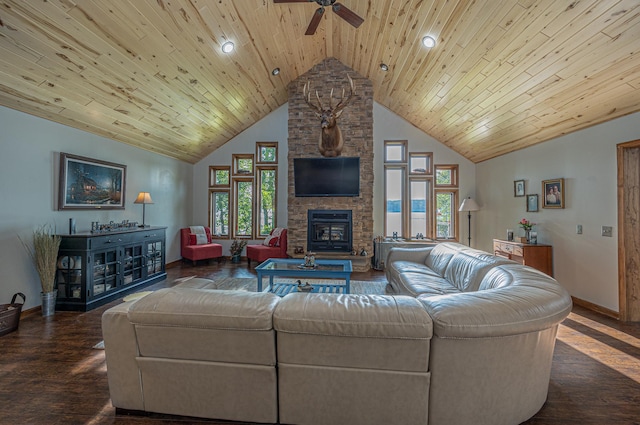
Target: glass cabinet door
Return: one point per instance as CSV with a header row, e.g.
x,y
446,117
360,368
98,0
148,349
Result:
x,y
105,272
132,264
69,276
155,262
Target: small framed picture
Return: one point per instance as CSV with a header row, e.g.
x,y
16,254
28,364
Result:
x,y
553,193
518,188
532,203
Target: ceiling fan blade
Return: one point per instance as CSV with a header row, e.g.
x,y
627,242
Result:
x,y
347,14
291,1
315,21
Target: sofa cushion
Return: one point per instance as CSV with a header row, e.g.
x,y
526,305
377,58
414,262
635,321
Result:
x,y
466,268
439,257
206,325
425,283
363,331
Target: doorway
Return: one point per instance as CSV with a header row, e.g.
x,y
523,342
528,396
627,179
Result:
x,y
629,230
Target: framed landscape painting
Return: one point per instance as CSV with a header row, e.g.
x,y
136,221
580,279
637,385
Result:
x,y
87,183
553,193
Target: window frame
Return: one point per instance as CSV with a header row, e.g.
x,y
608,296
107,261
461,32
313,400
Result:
x,y
429,158
235,220
235,161
403,194
213,169
454,214
212,222
260,146
258,187
429,206
401,143
454,175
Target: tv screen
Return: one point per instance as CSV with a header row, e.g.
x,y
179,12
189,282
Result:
x,y
326,176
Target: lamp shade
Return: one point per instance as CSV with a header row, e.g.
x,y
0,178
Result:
x,y
143,198
469,205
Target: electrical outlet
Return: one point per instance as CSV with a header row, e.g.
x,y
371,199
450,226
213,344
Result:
x,y
579,229
607,231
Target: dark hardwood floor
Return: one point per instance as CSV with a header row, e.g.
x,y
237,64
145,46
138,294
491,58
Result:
x,y
50,374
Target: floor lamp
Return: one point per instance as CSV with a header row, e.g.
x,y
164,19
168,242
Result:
x,y
143,198
469,205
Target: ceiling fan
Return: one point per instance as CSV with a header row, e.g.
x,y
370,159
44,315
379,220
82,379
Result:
x,y
338,8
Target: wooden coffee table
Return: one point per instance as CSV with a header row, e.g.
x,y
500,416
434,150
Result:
x,y
327,269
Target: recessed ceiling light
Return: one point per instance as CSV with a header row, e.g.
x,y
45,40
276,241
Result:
x,y
227,47
384,67
275,71
428,41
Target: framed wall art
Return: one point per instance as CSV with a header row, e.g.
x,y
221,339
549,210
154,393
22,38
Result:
x,y
88,184
553,193
518,188
532,203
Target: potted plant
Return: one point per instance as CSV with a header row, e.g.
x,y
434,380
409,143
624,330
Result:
x,y
45,257
236,249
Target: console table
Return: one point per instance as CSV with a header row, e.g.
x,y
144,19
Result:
x,y
96,268
538,256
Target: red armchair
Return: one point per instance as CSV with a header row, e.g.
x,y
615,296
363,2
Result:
x,y
262,252
190,250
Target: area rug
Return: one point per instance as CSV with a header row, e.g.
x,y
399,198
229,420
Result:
x,y
251,284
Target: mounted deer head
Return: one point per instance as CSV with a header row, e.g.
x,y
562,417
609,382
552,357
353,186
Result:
x,y
330,142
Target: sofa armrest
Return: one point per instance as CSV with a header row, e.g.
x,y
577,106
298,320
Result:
x,y
417,255
491,313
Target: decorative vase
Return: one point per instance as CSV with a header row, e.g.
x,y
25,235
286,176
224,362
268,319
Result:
x,y
527,235
235,258
49,302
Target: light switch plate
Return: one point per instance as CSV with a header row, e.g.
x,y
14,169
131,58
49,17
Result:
x,y
579,229
607,231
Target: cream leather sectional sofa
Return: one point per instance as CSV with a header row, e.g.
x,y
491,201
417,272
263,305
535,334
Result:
x,y
463,338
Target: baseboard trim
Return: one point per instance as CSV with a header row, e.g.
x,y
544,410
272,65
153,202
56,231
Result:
x,y
597,308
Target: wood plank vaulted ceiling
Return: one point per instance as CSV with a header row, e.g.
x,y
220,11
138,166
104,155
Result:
x,y
505,74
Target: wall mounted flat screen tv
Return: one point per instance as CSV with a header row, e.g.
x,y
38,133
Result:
x,y
327,176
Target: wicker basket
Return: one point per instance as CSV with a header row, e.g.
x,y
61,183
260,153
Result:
x,y
10,315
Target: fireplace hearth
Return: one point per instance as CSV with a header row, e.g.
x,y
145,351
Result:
x,y
329,231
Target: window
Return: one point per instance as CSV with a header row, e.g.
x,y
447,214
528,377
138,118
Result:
x,y
420,213
394,199
395,151
243,196
219,213
243,207
219,176
243,164
421,163
420,198
267,184
446,175
266,152
446,213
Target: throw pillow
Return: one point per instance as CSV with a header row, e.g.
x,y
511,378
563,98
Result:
x,y
271,241
197,239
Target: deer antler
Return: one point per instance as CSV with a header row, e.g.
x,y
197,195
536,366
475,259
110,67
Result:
x,y
307,98
344,102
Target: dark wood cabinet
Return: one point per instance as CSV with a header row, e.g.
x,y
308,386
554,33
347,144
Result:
x,y
538,256
96,268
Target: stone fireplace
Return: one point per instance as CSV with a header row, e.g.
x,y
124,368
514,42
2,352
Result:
x,y
356,124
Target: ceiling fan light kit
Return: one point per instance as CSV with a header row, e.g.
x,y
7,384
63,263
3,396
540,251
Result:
x,y
338,8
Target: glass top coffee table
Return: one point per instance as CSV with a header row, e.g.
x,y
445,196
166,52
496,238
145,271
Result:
x,y
327,269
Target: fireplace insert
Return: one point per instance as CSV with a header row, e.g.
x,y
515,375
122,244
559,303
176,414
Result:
x,y
329,231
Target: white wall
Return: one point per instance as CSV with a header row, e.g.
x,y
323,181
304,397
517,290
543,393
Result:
x,y
586,265
29,162
389,126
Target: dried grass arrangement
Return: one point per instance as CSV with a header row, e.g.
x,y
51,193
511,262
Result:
x,y
45,256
